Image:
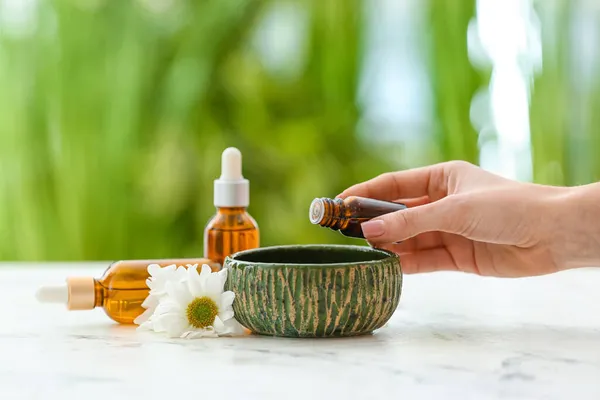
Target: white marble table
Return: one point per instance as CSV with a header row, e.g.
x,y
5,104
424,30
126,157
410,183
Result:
x,y
454,336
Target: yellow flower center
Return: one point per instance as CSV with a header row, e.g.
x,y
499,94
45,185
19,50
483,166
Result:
x,y
201,312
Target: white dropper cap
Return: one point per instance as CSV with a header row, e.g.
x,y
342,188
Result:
x,y
77,294
231,189
53,294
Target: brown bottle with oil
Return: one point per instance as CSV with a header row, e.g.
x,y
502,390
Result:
x,y
231,229
120,291
346,215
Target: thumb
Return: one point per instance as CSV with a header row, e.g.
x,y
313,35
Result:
x,y
404,224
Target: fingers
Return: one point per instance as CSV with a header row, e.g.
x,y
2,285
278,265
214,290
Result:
x,y
428,261
419,201
424,241
412,183
402,225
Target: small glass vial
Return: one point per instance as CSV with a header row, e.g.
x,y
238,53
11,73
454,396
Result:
x,y
120,291
346,215
231,229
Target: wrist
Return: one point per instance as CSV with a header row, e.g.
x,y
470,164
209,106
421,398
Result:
x,y
576,238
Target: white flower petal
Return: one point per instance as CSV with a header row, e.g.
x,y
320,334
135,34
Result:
x,y
214,285
143,317
205,273
200,333
169,268
158,281
179,292
172,323
150,301
218,325
168,306
234,328
164,273
226,299
154,269
226,314
180,274
223,276
176,327
146,326
159,322
195,284
192,271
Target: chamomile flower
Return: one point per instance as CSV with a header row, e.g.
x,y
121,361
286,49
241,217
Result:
x,y
195,306
159,276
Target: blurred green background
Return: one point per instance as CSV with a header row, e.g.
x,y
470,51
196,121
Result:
x,y
114,114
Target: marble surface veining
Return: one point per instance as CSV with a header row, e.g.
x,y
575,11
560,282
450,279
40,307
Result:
x,y
454,336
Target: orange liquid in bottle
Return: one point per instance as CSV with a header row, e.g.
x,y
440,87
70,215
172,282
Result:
x,y
231,230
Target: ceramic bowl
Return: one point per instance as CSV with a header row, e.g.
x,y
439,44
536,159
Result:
x,y
314,290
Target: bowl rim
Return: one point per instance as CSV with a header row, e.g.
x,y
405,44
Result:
x,y
232,257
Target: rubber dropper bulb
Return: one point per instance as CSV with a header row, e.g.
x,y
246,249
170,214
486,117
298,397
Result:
x,y
53,294
231,165
231,189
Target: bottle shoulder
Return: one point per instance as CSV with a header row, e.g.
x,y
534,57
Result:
x,y
228,220
124,275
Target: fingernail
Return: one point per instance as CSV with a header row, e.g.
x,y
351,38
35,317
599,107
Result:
x,y
373,228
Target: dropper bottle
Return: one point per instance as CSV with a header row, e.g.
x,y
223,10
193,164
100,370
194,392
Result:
x,y
231,229
120,291
347,215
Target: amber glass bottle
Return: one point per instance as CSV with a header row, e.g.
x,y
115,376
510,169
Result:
x,y
232,229
346,215
120,291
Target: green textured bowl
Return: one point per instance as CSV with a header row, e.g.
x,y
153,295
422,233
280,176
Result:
x,y
314,290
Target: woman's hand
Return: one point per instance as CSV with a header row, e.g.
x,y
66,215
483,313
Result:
x,y
463,218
